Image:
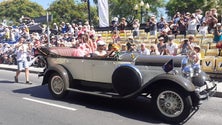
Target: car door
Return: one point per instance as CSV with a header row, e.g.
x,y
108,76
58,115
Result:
x,y
102,70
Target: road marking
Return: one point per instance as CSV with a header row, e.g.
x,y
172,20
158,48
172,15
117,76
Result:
x,y
50,104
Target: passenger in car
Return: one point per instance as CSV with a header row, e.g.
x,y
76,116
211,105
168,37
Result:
x,y
101,49
82,47
102,52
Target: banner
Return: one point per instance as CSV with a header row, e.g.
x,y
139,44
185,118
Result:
x,y
103,13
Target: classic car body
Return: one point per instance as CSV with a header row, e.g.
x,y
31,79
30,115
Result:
x,y
174,93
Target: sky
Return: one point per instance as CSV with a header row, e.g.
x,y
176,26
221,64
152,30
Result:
x,y
44,3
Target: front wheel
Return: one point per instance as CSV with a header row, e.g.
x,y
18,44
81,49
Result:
x,y
172,104
57,86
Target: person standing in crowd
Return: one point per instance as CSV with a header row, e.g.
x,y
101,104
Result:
x,y
176,17
152,24
160,24
218,33
22,61
174,30
136,27
63,27
217,15
203,28
122,25
192,25
182,27
166,28
211,20
198,16
55,29
114,24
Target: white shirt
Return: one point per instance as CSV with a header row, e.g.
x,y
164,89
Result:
x,y
145,52
192,24
203,30
102,53
22,53
171,48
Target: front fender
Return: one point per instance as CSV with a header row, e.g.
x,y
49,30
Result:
x,y
171,78
56,69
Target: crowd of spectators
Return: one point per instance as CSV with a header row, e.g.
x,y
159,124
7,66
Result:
x,y
84,38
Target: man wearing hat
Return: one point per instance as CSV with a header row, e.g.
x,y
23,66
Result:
x,y
101,49
130,44
161,45
164,35
122,25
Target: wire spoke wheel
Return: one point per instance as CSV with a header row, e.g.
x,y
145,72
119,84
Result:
x,y
170,104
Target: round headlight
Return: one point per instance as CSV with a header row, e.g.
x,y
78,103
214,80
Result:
x,y
197,69
188,71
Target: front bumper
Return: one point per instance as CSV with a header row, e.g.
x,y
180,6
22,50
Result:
x,y
204,92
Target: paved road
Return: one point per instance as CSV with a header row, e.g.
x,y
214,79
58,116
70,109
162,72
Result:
x,y
23,104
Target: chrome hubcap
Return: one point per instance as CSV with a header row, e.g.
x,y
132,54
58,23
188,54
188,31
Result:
x,y
170,104
57,85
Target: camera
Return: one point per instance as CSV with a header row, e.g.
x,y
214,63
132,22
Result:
x,y
185,41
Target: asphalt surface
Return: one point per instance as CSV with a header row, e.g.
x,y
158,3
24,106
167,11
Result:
x,y
37,70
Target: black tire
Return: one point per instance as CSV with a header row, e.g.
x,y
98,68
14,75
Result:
x,y
57,86
171,104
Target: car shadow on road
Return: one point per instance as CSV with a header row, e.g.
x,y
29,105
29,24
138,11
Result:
x,y
35,91
6,82
138,109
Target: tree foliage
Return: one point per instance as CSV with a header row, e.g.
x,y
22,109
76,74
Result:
x,y
125,8
13,10
71,11
184,6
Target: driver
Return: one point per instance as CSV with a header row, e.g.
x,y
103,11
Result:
x,y
101,49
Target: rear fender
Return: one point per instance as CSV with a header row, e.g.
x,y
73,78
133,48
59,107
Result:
x,y
56,69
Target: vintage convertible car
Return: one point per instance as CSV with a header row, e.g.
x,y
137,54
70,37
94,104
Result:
x,y
175,86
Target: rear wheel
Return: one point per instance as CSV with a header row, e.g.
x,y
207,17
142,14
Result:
x,y
57,86
173,105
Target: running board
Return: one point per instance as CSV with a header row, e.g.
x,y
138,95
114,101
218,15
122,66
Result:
x,y
97,93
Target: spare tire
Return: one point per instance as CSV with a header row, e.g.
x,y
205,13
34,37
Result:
x,y
126,79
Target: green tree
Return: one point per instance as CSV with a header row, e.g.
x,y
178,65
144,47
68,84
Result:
x,y
125,8
184,6
13,10
71,11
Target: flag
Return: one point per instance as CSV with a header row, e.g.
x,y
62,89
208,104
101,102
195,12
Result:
x,y
167,67
103,13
